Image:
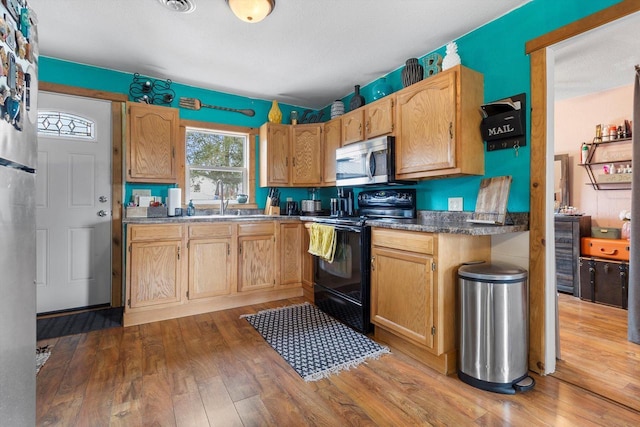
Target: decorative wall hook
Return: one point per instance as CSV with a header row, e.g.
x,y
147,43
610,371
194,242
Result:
x,y
151,91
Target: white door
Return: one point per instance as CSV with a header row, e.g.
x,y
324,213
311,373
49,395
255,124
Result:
x,y
73,202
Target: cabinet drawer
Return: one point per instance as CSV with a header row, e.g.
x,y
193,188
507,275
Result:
x,y
257,228
210,230
404,240
605,248
155,232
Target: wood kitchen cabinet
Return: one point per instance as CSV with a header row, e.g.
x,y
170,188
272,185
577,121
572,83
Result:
x,y
307,264
154,265
226,264
152,136
413,290
369,121
332,141
257,256
290,254
275,150
212,260
306,150
438,126
290,156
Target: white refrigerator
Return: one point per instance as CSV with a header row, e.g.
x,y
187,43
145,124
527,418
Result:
x,y
18,160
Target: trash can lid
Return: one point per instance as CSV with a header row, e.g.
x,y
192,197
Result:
x,y
496,271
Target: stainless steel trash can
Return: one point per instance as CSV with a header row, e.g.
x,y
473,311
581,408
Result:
x,y
493,313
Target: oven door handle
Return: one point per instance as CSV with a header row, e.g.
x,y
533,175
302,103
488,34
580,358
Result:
x,y
344,227
370,164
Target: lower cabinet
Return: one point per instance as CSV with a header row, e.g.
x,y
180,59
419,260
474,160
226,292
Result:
x,y
154,266
257,256
290,253
212,269
413,290
307,264
175,270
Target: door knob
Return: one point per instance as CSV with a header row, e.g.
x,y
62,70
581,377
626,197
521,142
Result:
x,y
102,199
102,212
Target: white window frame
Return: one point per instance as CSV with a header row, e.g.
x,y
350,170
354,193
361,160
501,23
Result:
x,y
245,170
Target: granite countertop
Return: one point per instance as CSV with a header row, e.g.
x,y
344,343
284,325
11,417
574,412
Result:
x,y
426,221
453,222
449,222
211,215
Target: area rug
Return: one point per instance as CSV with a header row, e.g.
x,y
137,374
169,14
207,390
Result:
x,y
42,355
78,323
315,344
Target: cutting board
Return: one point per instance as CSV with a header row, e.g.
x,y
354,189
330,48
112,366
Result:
x,y
491,205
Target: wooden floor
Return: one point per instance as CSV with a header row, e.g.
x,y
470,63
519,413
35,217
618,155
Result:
x,y
595,353
214,369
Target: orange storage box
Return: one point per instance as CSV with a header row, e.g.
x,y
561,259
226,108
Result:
x,y
605,248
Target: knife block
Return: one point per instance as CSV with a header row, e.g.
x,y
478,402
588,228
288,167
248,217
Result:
x,y
272,210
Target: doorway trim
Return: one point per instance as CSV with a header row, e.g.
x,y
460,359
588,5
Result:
x,y
537,49
117,114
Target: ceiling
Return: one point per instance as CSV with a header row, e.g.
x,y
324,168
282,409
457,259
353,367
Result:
x,y
306,53
598,60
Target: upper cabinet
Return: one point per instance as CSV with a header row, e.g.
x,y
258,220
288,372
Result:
x,y
306,148
332,141
274,154
152,133
438,126
369,121
291,155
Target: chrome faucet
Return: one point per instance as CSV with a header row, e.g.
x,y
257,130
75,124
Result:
x,y
220,191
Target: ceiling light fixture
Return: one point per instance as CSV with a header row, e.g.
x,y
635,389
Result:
x,y
251,10
182,6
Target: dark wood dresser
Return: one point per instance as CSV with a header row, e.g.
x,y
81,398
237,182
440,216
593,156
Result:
x,y
568,231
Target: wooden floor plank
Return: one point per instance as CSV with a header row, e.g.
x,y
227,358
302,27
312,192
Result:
x,y
215,369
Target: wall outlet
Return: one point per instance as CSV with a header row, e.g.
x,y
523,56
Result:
x,y
455,203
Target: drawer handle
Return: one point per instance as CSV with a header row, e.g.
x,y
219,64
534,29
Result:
x,y
613,252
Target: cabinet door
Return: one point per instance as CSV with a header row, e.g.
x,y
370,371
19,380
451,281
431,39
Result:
x,y
153,135
274,154
290,253
306,168
332,141
353,126
210,268
379,117
426,126
155,271
402,294
256,269
307,264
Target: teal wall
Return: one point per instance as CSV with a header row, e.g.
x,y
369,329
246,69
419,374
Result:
x,y
497,50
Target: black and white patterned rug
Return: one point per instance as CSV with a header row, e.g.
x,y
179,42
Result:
x,y
315,344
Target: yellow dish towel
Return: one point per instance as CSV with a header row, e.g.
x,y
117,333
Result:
x,y
322,241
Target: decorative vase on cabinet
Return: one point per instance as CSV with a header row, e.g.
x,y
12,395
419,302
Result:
x,y
381,89
358,100
275,115
412,73
337,108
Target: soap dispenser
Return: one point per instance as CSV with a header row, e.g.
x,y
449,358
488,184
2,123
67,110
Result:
x,y
191,210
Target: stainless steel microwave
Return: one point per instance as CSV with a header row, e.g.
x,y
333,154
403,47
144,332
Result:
x,y
367,162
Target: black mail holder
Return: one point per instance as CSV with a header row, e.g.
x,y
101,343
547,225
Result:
x,y
502,126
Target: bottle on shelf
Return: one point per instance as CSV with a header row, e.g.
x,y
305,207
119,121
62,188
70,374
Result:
x,y
584,153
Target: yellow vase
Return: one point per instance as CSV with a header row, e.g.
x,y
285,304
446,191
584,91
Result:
x,y
275,115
